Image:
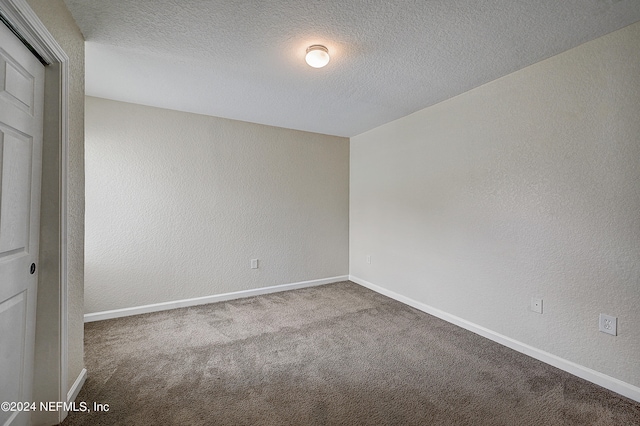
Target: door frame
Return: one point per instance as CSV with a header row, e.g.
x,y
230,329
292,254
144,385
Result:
x,y
29,27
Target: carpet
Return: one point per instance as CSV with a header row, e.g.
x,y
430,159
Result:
x,y
337,354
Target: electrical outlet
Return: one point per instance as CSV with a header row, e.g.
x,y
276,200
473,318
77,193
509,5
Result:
x,y
254,263
608,324
369,259
536,305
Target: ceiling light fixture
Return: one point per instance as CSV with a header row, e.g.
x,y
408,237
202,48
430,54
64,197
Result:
x,y
317,56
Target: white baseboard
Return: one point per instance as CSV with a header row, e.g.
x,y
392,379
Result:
x,y
608,382
77,385
164,306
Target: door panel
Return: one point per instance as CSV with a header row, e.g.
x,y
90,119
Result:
x,y
12,328
21,120
15,183
17,85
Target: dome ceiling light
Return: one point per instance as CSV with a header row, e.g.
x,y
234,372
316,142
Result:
x,y
317,56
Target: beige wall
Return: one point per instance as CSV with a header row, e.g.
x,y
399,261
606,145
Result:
x,y
58,20
526,186
178,204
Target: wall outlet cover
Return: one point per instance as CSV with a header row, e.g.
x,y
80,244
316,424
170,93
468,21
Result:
x,y
536,304
608,324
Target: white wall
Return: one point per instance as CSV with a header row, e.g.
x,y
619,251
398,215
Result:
x,y
526,186
177,204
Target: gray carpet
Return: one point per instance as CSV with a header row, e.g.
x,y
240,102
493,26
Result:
x,y
337,354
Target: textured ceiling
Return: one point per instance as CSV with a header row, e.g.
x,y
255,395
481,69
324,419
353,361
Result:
x,y
245,59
